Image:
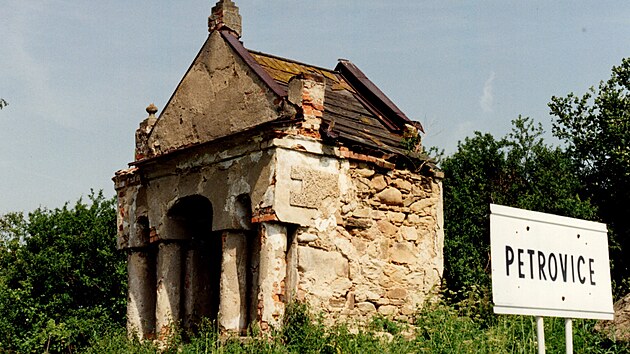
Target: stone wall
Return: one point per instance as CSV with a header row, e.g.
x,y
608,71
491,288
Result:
x,y
254,226
385,253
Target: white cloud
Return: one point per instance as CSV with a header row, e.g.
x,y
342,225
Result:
x,y
487,98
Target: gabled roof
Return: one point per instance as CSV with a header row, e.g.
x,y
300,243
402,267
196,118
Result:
x,y
356,115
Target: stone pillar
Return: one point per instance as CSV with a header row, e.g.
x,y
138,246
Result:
x,y
141,295
233,287
272,274
291,283
307,90
169,287
143,150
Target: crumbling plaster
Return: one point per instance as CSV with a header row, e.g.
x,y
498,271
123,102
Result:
x,y
232,95
370,242
293,178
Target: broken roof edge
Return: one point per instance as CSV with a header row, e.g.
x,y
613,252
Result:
x,y
414,162
244,54
371,93
265,128
400,157
301,63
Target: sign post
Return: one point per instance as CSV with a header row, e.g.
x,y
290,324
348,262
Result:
x,y
540,334
549,265
568,334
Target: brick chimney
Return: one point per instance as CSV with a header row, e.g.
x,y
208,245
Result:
x,y
307,91
225,15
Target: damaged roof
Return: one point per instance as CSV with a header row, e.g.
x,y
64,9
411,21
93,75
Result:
x,y
355,110
357,115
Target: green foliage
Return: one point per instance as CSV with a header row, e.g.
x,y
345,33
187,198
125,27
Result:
x,y
440,327
299,331
62,281
596,130
383,324
518,170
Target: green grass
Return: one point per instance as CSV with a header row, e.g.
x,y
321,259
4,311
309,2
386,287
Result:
x,y
465,327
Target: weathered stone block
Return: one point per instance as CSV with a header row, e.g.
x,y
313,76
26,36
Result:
x,y
423,207
366,307
402,185
396,293
390,196
396,217
341,286
358,223
362,213
386,227
402,253
322,265
413,219
409,233
378,183
307,237
365,172
387,310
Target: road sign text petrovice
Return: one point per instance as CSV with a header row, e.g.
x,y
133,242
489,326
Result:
x,y
548,265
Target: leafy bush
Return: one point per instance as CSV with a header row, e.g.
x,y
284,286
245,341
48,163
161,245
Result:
x,y
595,128
518,170
62,281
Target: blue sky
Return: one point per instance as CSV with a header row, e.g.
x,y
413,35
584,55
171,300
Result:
x,y
78,75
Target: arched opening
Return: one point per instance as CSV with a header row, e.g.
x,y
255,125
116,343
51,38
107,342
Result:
x,y
191,219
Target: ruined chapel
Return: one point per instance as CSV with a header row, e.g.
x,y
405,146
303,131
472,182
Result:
x,y
265,181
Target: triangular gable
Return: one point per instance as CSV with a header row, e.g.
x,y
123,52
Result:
x,y
220,95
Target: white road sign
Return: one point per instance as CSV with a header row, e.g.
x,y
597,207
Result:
x,y
549,265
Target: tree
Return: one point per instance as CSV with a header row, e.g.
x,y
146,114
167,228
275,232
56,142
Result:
x,y
596,130
3,103
518,170
62,281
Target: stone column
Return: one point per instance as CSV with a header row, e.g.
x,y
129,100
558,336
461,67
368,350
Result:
x,y
141,294
169,287
233,287
272,274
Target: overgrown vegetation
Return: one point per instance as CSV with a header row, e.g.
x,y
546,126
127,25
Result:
x,y
596,130
438,328
518,170
62,281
